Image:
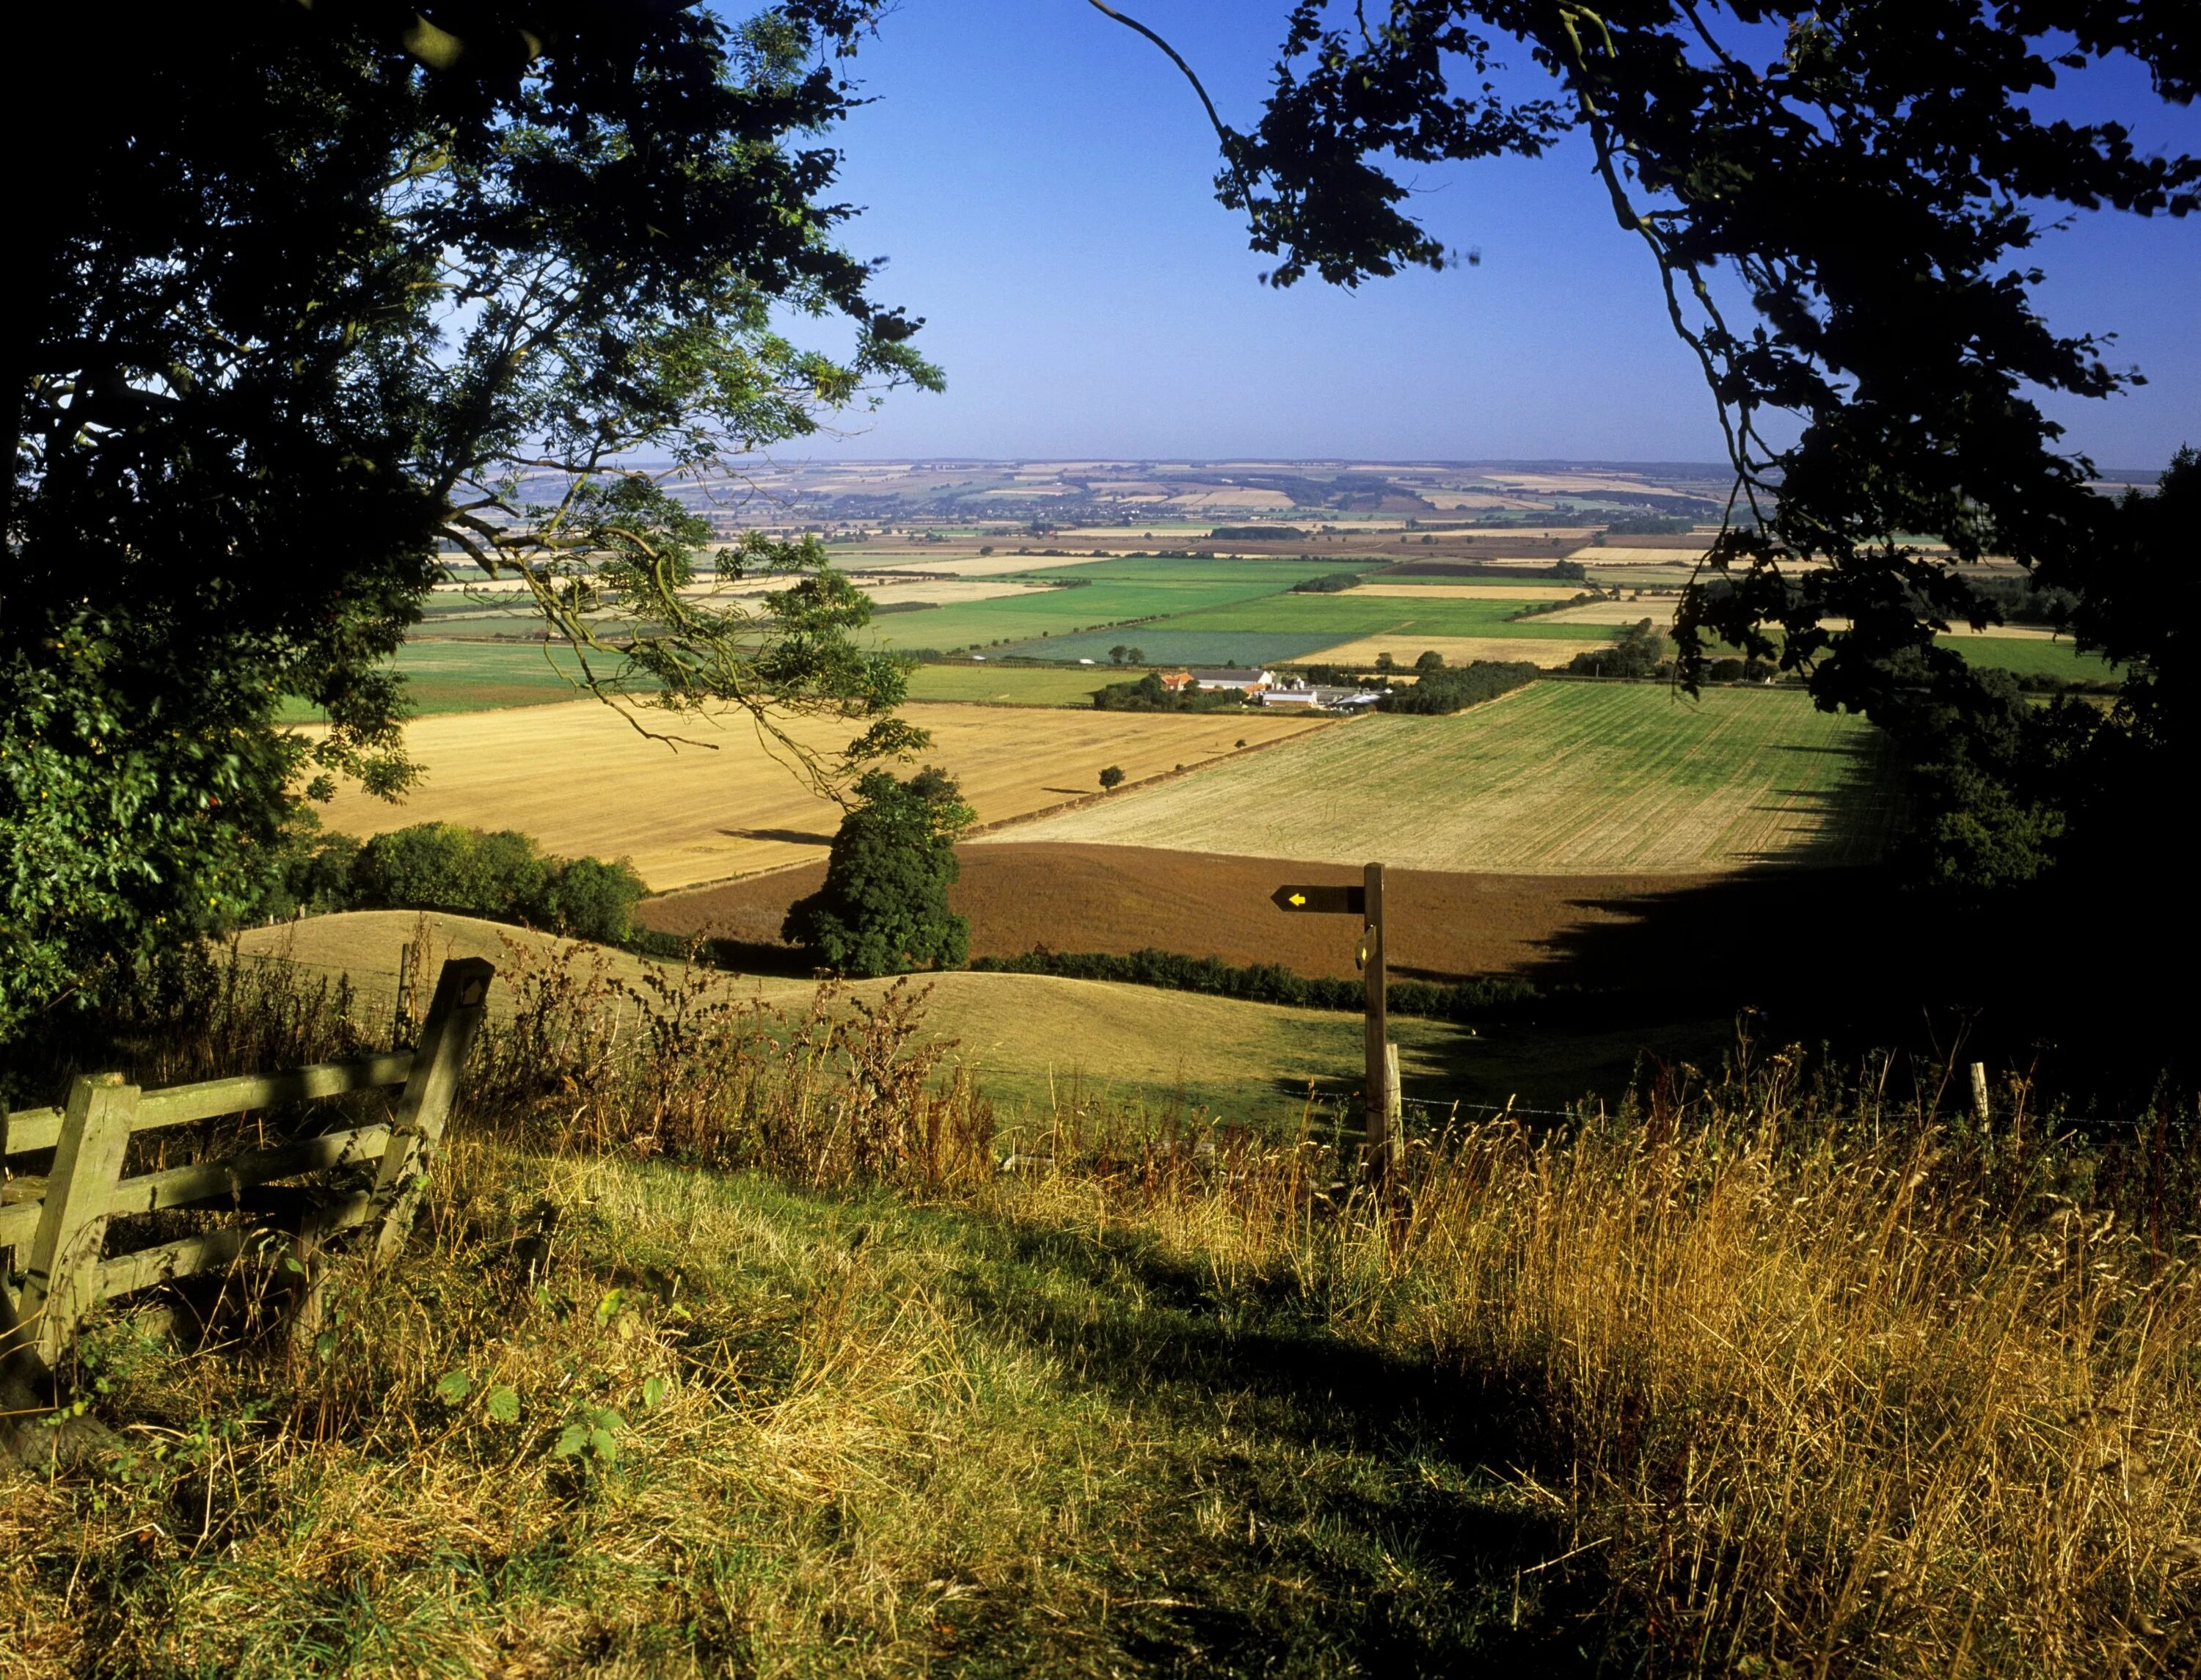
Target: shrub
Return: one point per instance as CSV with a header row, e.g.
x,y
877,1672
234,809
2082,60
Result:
x,y
1265,983
1450,689
590,899
1330,582
1113,777
1636,654
883,907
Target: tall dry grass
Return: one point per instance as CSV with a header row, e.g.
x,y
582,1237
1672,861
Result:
x,y
1811,1379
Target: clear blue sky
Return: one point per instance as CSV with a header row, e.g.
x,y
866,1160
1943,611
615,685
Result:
x,y
1041,180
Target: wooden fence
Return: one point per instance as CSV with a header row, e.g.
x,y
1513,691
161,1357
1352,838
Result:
x,y
62,1218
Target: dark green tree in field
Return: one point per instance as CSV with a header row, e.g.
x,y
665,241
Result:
x,y
883,908
307,296
1111,779
1841,204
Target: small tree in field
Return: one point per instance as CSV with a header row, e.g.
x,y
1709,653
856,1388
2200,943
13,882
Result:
x,y
883,908
1431,661
1135,656
1116,654
1111,778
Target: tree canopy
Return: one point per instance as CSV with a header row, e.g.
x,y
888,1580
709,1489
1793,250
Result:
x,y
327,297
882,909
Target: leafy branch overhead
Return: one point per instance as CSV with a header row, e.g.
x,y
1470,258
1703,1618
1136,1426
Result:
x,y
331,293
1840,203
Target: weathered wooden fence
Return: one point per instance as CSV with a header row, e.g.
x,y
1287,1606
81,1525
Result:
x,y
62,1218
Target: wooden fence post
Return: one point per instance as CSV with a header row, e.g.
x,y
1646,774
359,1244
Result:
x,y
61,1281
1375,1029
455,1015
1982,1111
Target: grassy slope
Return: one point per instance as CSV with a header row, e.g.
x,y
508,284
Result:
x,y
1014,685
1029,1039
891,1439
1563,777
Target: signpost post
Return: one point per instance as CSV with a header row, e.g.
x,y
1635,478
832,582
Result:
x,y
1366,901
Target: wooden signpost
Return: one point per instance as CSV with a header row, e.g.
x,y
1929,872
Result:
x,y
1381,1084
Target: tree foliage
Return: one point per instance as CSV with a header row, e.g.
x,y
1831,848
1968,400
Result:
x,y
324,292
883,907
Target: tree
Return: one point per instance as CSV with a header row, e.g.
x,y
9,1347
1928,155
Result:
x,y
1116,653
327,290
1111,779
1431,659
883,907
1135,656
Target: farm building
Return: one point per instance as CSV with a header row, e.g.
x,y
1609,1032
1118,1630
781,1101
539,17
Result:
x,y
1245,679
1298,692
1174,680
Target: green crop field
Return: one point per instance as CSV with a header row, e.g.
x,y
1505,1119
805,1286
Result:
x,y
442,676
1015,684
1558,778
1108,593
2032,656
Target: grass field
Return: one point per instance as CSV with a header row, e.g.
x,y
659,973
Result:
x,y
1569,778
580,779
445,677
1549,651
1016,684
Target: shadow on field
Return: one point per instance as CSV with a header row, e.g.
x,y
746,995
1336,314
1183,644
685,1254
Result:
x,y
1380,1491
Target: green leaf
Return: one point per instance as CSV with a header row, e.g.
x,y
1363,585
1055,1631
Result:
x,y
454,1386
609,1307
654,1390
503,1404
571,1441
602,1445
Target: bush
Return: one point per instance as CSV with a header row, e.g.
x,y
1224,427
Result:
x,y
1330,582
1448,689
1147,695
1636,654
504,876
883,908
1265,983
1113,777
590,899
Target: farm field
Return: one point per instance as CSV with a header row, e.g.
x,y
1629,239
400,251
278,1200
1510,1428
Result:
x,y
990,684
444,677
1110,592
1548,651
1436,589
581,780
1602,931
1561,777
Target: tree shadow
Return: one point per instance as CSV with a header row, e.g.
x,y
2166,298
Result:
x,y
793,836
1390,1482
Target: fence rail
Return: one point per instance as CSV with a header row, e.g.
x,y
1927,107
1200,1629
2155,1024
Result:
x,y
61,1218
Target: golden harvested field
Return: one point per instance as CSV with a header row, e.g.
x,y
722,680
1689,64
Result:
x,y
1659,609
1558,778
578,777
1547,651
1523,591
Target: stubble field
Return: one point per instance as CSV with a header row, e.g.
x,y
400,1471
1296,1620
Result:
x,y
580,779
1560,778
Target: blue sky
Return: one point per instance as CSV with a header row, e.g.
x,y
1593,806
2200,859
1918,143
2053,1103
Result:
x,y
1041,180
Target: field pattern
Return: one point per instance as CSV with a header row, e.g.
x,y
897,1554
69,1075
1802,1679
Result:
x,y
581,780
1558,778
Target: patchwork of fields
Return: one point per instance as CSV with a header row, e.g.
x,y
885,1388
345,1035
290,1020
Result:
x,y
581,779
1565,777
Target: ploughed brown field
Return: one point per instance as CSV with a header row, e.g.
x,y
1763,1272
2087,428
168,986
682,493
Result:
x,y
1586,928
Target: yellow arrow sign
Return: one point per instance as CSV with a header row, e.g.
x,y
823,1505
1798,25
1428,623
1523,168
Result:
x,y
1297,898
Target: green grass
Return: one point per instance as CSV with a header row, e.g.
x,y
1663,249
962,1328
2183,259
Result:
x,y
2028,656
1110,592
1016,684
442,676
1562,778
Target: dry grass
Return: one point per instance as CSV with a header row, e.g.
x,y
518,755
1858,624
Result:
x,y
1771,1375
1763,1377
1551,652
579,778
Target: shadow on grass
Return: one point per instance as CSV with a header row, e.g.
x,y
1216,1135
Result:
x,y
1327,1507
